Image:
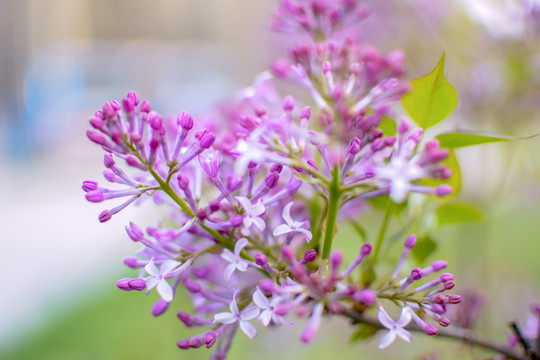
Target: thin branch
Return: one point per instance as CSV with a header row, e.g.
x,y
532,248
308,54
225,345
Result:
x,y
465,335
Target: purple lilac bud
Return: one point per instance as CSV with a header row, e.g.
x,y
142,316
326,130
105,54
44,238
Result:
x,y
94,196
104,216
288,103
145,106
410,242
124,284
160,307
271,180
185,120
267,286
96,137
443,190
192,286
365,297
260,259
137,284
89,185
134,232
310,255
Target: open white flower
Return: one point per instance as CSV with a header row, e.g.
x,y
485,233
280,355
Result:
x,y
291,225
268,308
396,328
251,216
158,277
243,317
236,262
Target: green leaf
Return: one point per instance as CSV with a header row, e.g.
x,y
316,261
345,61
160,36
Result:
x,y
462,138
424,247
458,212
364,331
388,126
359,229
451,162
431,98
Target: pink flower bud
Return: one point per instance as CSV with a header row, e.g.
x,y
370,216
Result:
x,y
159,307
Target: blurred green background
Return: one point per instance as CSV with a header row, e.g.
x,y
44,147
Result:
x,y
62,59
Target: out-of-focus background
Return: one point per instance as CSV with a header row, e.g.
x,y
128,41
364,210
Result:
x,y
60,60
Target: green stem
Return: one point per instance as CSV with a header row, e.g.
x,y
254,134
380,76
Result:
x,y
331,217
382,231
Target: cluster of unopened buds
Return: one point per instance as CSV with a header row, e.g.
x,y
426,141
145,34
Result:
x,y
256,195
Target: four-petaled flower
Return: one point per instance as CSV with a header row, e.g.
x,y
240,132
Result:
x,y
236,262
398,175
243,317
268,308
291,225
396,328
252,214
158,277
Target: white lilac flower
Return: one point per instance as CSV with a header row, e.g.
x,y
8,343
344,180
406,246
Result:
x,y
158,277
252,212
268,308
236,262
291,225
395,328
398,174
243,317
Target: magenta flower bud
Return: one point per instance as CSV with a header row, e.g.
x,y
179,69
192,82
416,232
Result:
x,y
183,344
247,123
336,259
377,133
237,220
94,196
109,175
185,318
133,97
115,105
123,284
308,334
354,146
209,339
365,297
89,185
201,214
306,113
288,103
105,216
313,164
207,140
159,307
277,168
96,123
377,144
430,329
193,286
310,255
195,343
183,182
128,105
416,274
454,299
260,259
185,120
96,137
107,110
438,308
134,232
108,161
416,135
137,284
440,299
267,286
449,285
293,186
214,205
446,277
439,265
259,111
410,242
288,253
154,120
326,67
390,141
444,321
132,161
233,182
370,173
145,106
271,180
131,262
443,190
365,249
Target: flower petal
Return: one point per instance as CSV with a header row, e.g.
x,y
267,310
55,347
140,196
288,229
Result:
x,y
168,266
258,208
165,290
259,223
225,318
260,299
287,214
281,229
249,313
151,282
227,274
151,268
233,306
387,339
265,317
404,334
229,256
240,244
405,317
249,329
245,202
385,319
305,232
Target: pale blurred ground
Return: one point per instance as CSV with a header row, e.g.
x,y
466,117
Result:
x,y
61,59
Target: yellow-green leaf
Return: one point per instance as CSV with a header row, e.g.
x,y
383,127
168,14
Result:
x,y
462,138
431,98
458,212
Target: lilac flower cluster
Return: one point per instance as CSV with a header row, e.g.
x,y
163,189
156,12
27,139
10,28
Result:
x,y
242,237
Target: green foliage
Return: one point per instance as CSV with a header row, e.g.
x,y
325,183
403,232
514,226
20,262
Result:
x,y
451,162
458,212
464,138
431,98
424,247
364,331
388,126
